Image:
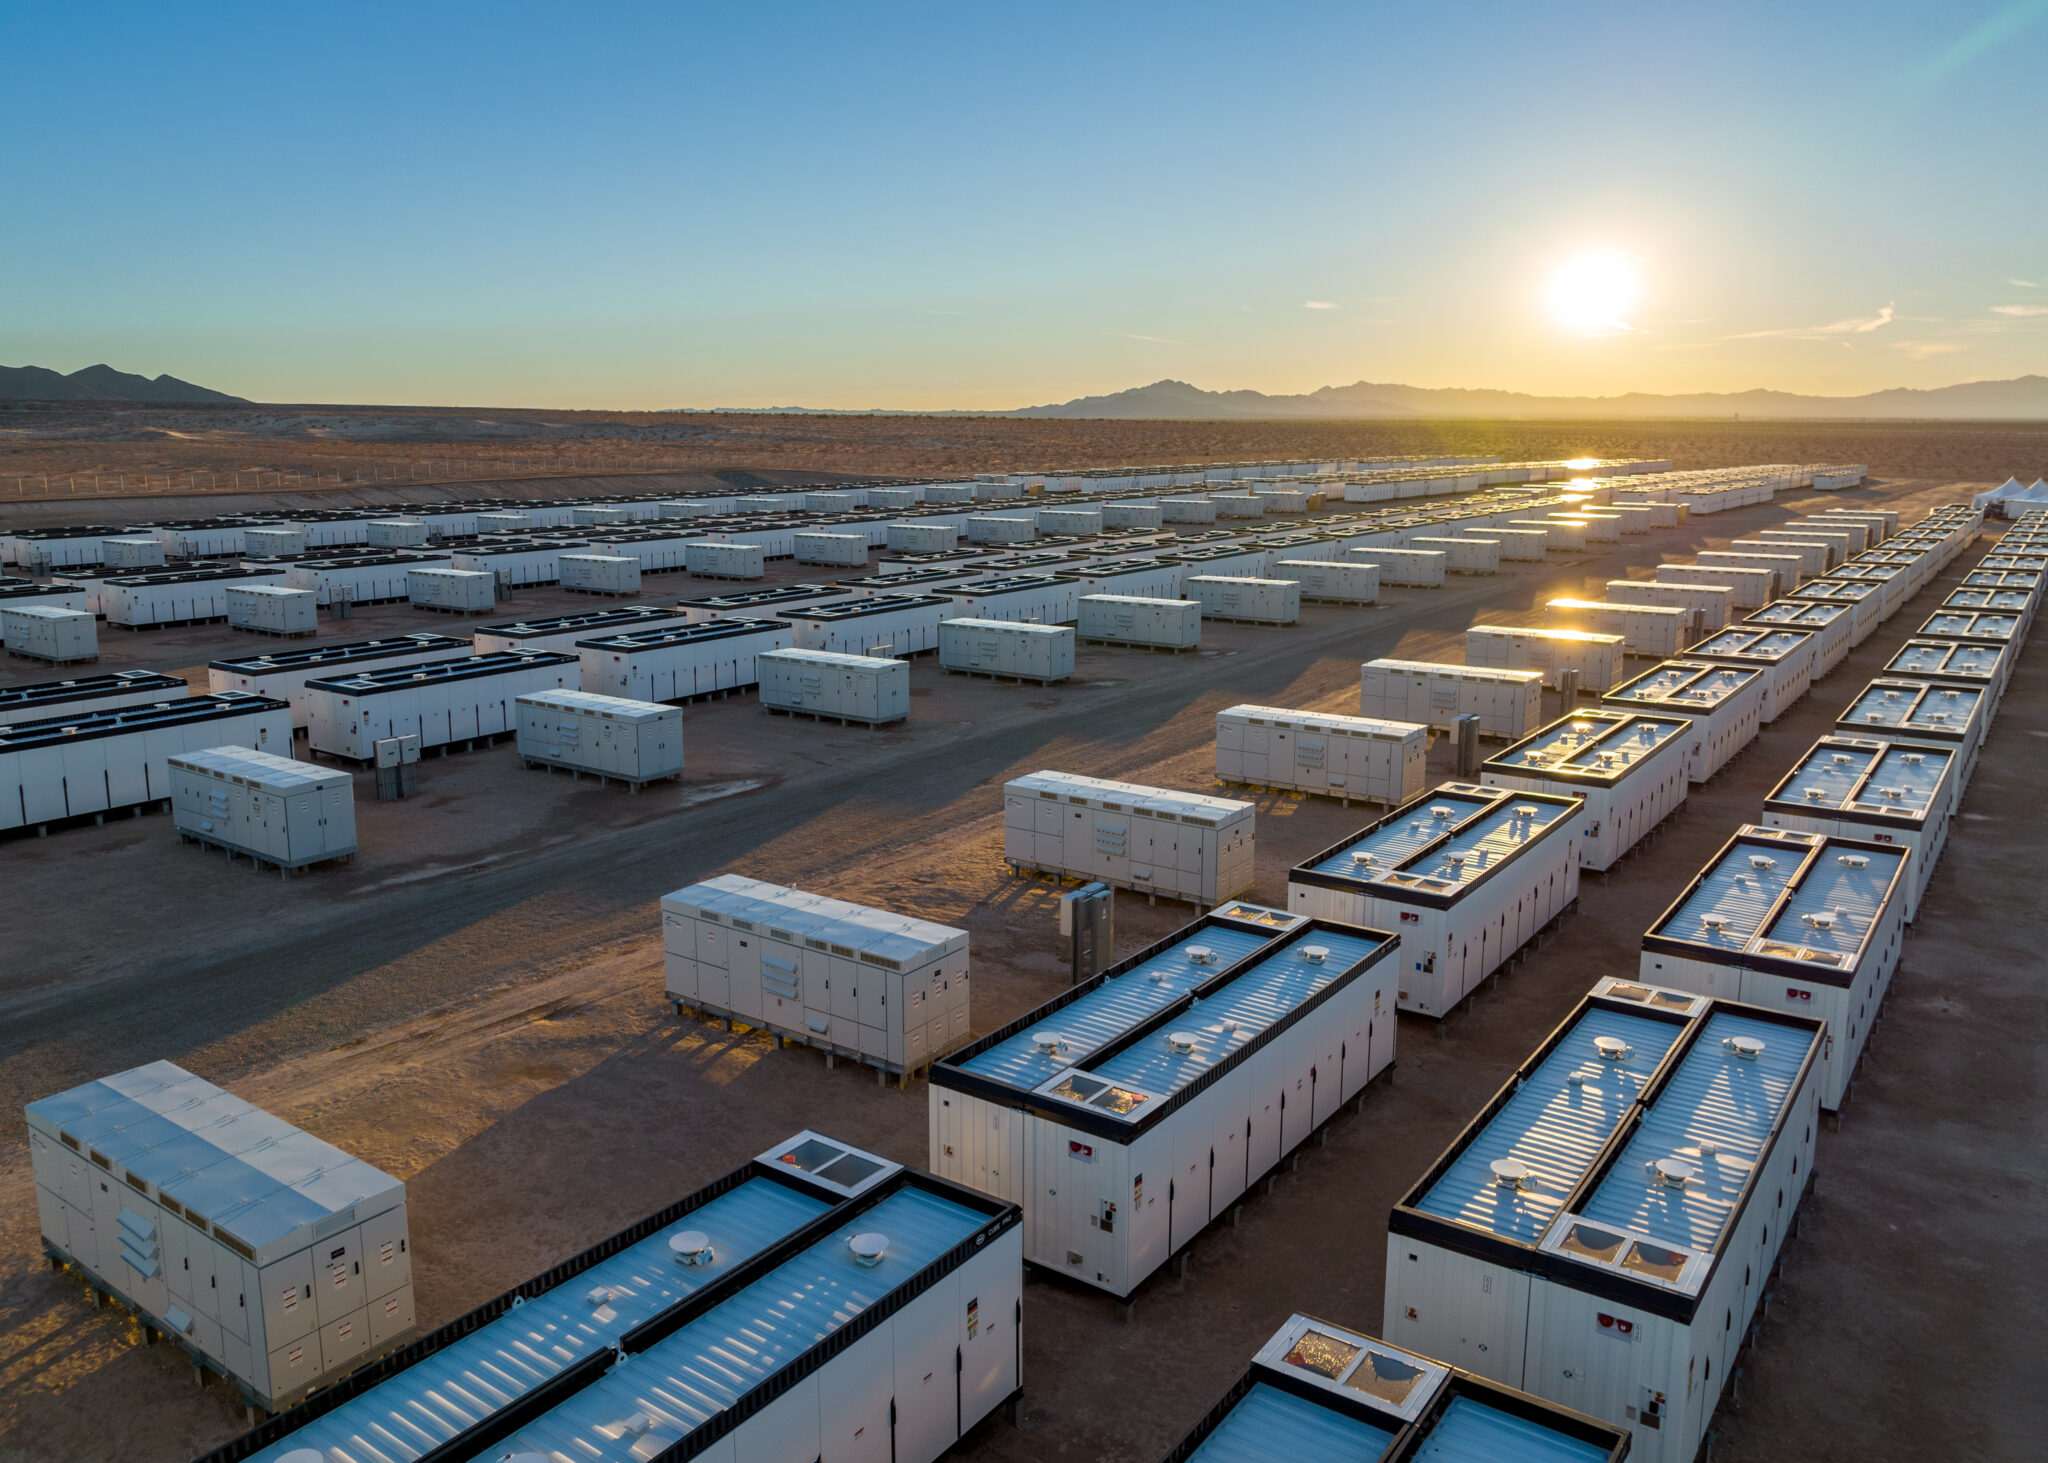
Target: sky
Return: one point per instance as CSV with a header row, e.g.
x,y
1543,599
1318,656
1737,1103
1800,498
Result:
x,y
991,206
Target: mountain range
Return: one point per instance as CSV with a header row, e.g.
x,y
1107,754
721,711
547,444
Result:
x,y
100,383
2025,397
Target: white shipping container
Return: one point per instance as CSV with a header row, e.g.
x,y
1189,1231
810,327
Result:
x,y
883,988
1259,601
1042,653
395,533
600,573
277,811
1597,658
637,742
1951,718
1786,657
1082,522
51,633
1724,703
1524,544
1320,752
363,579
1633,1307
465,591
1748,589
1712,602
189,596
1467,874
873,690
1152,840
882,624
1630,769
441,702
1894,793
1402,566
1559,533
995,528
566,632
1331,581
262,1253
923,538
84,695
266,543
1048,599
1656,631
1119,619
1125,1125
140,553
680,663
1783,568
1145,578
1508,703
505,521
519,561
1833,627
717,559
598,515
1821,549
845,549
100,761
273,609
1133,515
60,595
1194,509
1601,527
282,674
1462,555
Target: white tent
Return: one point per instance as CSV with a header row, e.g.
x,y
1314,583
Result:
x,y
2011,492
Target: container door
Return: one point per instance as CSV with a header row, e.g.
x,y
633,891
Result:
x,y
844,986
927,1347
1258,752
287,1288
338,1285
386,1264
855,1394
743,987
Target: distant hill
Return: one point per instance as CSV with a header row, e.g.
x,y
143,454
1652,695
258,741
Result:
x,y
2024,398
100,383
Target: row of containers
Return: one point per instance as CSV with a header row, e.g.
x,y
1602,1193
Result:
x,y
1575,1277
594,691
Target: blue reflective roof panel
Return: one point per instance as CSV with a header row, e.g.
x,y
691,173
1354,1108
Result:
x,y
1735,895
1832,912
1269,1424
1554,1125
1830,774
1471,1431
1685,685
1905,781
1259,997
1394,840
463,1383
1112,1008
1605,744
715,1360
1913,705
1945,657
1717,1097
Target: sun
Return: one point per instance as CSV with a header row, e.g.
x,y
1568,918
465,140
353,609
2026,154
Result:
x,y
1594,293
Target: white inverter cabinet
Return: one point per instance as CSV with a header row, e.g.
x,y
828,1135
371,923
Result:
x,y
1122,619
1260,601
1630,769
277,811
1130,1112
266,1255
1152,840
600,573
1331,581
637,742
441,702
881,988
1794,921
1596,657
1681,1131
1466,874
461,591
1321,752
1508,703
874,690
1879,791
999,648
273,610
1724,703
48,632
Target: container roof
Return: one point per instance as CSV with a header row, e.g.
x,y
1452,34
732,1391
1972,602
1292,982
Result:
x,y
1847,774
1685,685
397,677
1268,1423
1812,612
307,657
260,769
85,723
713,1361
666,636
114,683
797,915
1790,896
1328,721
1445,839
1753,643
1947,658
1972,624
1989,598
586,620
1445,671
1538,632
1913,705
456,1387
1596,746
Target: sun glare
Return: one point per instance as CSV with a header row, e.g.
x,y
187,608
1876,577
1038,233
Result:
x,y
1594,293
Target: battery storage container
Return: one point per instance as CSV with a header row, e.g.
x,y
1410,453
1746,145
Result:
x,y
1656,631
637,742
179,597
997,528
1711,602
1331,581
896,624
261,1252
1041,653
1748,588
717,559
1464,555
564,632
83,695
1865,603
1724,704
923,538
1466,874
395,533
1162,624
1792,921
1527,545
1952,718
1333,756
873,690
882,988
679,663
50,632
459,591
129,554
1422,567
1596,657
1883,792
1147,839
519,561
271,609
283,673
1259,601
1085,522
1631,1303
1812,558
1630,768
1131,1111
277,811
441,702
1508,703
1786,657
617,574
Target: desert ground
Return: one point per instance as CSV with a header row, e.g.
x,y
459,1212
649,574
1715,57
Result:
x,y
475,1002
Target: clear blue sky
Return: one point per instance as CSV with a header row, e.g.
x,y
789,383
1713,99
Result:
x,y
975,206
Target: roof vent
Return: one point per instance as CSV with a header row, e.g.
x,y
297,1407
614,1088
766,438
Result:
x,y
1762,861
1672,1172
1510,1173
1612,1048
1525,810
1937,716
1200,955
1440,811
598,1295
1160,977
691,1247
1456,860
1820,919
1362,858
1745,1048
1575,1079
1182,1042
1853,860
1714,921
1891,695
1842,759
1048,1042
639,1425
868,1248
1914,759
1315,954
1816,794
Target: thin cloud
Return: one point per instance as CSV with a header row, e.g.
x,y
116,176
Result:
x,y
1921,350
2024,284
1856,326
2019,310
1318,304
1155,339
